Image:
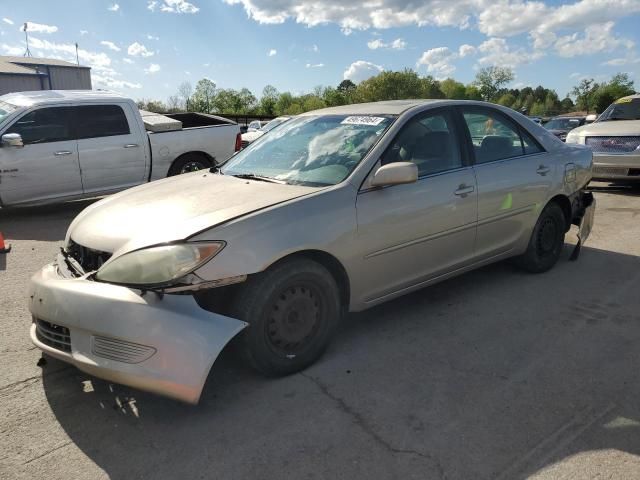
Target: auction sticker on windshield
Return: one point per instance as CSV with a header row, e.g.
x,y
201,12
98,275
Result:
x,y
366,120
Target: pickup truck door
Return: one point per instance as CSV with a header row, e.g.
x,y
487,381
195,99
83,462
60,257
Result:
x,y
46,166
110,146
415,232
514,176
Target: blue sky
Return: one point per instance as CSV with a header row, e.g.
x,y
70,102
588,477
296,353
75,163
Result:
x,y
146,48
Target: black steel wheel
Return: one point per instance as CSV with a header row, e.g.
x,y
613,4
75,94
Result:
x,y
547,241
292,310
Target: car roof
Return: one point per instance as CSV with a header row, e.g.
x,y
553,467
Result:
x,y
39,97
387,107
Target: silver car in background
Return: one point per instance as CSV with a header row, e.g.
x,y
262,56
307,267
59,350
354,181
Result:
x,y
337,210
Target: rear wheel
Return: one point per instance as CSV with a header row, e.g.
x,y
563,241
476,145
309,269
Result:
x,y
292,310
547,241
190,162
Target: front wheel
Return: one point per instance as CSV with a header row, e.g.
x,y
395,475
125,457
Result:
x,y
547,240
292,310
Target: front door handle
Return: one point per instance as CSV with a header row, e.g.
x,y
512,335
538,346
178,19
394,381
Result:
x,y
543,170
62,153
131,145
463,190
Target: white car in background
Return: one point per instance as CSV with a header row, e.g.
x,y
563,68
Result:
x,y
253,135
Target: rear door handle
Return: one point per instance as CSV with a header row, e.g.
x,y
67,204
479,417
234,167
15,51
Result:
x,y
463,190
543,170
62,153
131,145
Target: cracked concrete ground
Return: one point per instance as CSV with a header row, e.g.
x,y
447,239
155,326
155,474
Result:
x,y
495,374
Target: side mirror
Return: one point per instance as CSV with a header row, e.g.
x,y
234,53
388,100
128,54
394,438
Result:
x,y
590,118
12,140
395,173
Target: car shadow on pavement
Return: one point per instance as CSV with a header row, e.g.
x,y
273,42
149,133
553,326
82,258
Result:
x,y
41,223
494,374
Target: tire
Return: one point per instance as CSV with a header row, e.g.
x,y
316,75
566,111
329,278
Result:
x,y
293,310
547,241
189,162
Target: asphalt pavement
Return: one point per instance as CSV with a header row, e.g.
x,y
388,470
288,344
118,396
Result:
x,y
494,374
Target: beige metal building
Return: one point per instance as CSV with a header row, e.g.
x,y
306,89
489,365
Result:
x,y
19,74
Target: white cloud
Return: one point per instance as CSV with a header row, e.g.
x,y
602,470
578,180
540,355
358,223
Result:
x,y
110,45
272,52
397,44
83,32
114,7
575,75
596,38
619,62
152,37
105,81
438,61
138,50
314,48
12,50
153,68
496,51
187,72
361,70
39,28
173,6
465,50
315,65
7,20
128,60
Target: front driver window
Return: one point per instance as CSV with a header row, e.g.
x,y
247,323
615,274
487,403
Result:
x,y
45,125
429,141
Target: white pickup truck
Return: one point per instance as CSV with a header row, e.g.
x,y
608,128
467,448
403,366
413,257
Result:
x,y
64,145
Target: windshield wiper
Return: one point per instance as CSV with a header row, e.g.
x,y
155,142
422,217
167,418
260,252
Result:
x,y
260,178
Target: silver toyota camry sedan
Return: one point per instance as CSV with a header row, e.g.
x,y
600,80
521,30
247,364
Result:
x,y
337,210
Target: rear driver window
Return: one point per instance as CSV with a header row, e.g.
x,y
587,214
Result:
x,y
100,121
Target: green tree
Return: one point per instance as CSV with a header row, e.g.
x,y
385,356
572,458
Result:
x,y
452,89
567,105
507,100
583,93
203,97
268,101
247,101
490,80
472,92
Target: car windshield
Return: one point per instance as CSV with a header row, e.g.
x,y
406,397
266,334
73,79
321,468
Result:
x,y
6,109
623,109
273,124
314,150
562,124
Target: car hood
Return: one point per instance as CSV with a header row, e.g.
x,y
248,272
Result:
x,y
611,128
251,136
173,209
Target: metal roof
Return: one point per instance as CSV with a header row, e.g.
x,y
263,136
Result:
x,y
12,68
38,97
53,62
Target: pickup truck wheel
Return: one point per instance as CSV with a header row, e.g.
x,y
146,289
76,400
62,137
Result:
x,y
191,162
547,240
292,310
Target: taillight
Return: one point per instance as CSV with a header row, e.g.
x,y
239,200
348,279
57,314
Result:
x,y
238,142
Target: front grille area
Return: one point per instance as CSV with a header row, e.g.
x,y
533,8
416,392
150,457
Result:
x,y
121,350
613,144
55,336
611,170
89,259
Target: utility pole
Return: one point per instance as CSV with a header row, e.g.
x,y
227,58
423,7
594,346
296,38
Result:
x,y
77,58
27,52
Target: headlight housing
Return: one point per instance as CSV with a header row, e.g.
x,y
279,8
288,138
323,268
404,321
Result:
x,y
159,265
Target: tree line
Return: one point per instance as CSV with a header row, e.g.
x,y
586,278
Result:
x,y
489,85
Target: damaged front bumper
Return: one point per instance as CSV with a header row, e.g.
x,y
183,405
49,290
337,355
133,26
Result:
x,y
583,212
164,344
